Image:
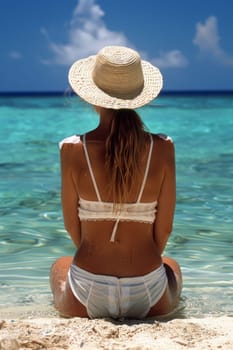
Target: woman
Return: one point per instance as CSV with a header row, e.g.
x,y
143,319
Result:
x,y
118,197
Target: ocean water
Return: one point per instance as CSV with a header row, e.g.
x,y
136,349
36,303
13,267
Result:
x,y
31,227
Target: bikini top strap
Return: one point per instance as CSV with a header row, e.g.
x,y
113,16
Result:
x,y
93,177
90,168
146,170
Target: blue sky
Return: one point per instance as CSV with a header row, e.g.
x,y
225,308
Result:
x,y
189,40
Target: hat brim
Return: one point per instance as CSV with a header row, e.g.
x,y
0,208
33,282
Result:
x,y
80,79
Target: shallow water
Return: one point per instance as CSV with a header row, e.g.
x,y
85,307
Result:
x,y
31,227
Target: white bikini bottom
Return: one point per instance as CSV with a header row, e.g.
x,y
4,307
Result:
x,y
108,296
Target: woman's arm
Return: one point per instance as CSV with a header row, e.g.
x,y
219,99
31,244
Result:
x,y
166,200
69,195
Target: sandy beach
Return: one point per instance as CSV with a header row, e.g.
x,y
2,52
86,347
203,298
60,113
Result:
x,y
27,331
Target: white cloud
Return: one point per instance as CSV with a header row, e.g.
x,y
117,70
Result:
x,y
170,59
87,35
15,55
208,40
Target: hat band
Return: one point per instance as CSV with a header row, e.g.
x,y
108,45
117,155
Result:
x,y
124,82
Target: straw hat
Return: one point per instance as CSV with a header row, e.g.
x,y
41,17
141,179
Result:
x,y
115,78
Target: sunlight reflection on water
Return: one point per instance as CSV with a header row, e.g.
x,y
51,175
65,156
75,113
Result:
x,y
31,228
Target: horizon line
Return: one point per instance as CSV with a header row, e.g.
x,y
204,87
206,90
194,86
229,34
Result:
x,y
71,93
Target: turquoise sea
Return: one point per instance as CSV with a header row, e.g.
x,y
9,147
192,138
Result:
x,y
31,227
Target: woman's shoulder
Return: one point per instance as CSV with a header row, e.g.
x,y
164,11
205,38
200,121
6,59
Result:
x,y
163,138
70,140
164,145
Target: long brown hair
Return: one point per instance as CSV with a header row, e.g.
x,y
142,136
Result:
x,y
124,147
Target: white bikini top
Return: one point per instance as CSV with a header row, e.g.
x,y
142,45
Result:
x,y
100,210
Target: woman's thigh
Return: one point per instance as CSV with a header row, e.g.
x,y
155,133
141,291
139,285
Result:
x,y
171,296
64,300
174,276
